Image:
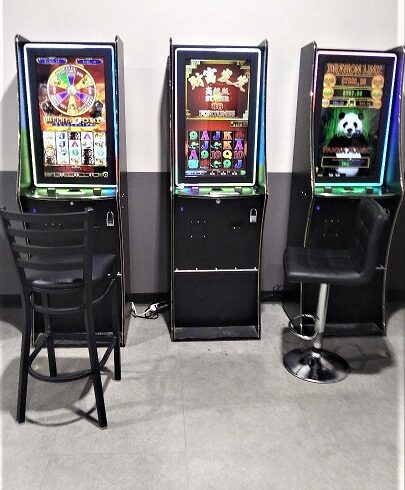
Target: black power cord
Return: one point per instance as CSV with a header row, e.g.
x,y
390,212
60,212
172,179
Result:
x,y
151,312
276,295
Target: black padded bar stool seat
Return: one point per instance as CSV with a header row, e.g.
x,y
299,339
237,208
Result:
x,y
103,264
320,265
351,266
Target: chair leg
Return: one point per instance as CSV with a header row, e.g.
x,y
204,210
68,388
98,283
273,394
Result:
x,y
24,364
50,345
316,364
116,331
95,365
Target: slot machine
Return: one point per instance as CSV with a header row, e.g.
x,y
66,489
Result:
x,y
347,147
218,190
72,152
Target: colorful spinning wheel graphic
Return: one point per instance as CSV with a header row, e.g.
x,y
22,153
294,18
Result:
x,y
71,90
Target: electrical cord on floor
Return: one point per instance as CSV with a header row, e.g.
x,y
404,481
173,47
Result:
x,y
277,294
151,312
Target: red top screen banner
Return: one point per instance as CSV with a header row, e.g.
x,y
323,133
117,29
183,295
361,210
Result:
x,y
217,89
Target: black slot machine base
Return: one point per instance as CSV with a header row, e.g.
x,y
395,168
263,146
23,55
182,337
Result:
x,y
352,330
80,340
106,240
364,329
75,336
359,328
230,332
216,305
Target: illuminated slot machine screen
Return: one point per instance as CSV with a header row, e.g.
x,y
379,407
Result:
x,y
217,98
353,96
71,111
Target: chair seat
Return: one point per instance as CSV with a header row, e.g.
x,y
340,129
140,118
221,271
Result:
x,y
102,265
321,266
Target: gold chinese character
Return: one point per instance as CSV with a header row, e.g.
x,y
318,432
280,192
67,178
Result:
x,y
225,76
209,74
196,81
242,80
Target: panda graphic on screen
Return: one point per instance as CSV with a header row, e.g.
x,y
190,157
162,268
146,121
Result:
x,y
349,144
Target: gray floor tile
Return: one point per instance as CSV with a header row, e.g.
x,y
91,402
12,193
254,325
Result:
x,y
228,377
135,429
275,469
24,473
46,403
140,471
354,420
209,415
144,412
290,467
226,428
361,466
25,450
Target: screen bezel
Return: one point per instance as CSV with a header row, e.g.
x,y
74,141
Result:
x,y
181,55
31,52
389,59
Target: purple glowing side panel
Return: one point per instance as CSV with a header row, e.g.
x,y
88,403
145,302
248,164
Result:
x,y
393,169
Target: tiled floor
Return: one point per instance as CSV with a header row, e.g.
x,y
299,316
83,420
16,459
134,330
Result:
x,y
207,415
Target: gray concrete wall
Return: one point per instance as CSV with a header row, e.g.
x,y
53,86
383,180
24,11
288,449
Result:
x,y
8,275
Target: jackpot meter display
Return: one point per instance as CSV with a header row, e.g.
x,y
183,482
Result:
x,y
352,113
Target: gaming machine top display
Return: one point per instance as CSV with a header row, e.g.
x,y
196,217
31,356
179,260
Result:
x,y
69,110
218,121
352,103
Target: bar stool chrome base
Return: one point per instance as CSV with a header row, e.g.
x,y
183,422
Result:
x,y
316,366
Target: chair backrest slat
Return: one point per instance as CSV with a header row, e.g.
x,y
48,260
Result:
x,y
46,235
39,250
51,242
44,219
30,264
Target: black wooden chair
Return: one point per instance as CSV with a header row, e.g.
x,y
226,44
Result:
x,y
352,266
54,257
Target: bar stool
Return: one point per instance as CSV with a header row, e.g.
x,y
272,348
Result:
x,y
53,254
353,266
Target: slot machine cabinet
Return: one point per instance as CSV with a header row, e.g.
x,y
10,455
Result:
x,y
341,91
72,153
218,190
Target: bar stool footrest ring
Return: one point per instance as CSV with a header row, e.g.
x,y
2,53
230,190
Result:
x,y
294,329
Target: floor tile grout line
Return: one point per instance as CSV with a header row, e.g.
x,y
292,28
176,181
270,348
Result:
x,y
50,454
184,417
137,452
52,450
